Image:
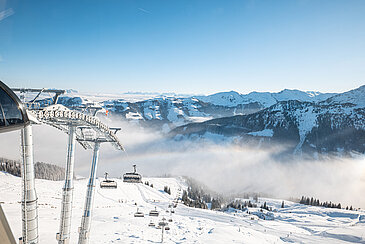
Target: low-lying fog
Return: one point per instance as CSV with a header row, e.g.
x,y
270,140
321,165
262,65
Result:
x,y
223,168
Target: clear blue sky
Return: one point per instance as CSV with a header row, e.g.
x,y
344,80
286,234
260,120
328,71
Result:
x,y
183,46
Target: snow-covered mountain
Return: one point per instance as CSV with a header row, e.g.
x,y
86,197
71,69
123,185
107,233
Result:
x,y
334,125
174,110
310,121
264,99
355,97
113,218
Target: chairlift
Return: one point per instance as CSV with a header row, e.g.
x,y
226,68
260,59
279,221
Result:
x,y
132,177
138,214
154,213
108,183
151,224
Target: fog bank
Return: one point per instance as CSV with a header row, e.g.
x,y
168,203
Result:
x,y
222,167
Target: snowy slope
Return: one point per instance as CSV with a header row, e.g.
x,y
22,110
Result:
x,y
113,220
356,97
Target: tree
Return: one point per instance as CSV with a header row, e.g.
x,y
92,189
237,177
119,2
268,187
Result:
x,y
185,197
302,201
282,204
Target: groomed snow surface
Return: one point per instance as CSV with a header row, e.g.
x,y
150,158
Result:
x,y
114,221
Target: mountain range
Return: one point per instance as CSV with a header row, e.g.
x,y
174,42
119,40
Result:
x,y
305,121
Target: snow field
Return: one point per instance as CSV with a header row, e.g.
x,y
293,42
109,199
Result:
x,y
114,221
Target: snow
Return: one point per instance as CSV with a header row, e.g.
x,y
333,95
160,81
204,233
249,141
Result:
x,y
113,220
266,99
355,96
309,96
176,116
200,119
134,115
152,112
229,99
307,119
266,132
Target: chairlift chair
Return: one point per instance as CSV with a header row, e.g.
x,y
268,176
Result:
x,y
138,214
132,177
154,213
108,183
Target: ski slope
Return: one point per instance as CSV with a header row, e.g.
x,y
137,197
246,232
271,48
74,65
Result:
x,y
114,221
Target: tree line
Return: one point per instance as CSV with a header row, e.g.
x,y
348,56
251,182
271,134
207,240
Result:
x,y
239,204
315,202
167,190
198,196
41,170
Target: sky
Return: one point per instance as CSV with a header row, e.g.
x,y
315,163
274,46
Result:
x,y
195,47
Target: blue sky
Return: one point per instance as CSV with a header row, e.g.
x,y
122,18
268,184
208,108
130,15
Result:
x,y
183,46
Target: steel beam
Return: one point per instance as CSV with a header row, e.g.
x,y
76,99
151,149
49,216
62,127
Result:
x,y
63,236
29,195
84,230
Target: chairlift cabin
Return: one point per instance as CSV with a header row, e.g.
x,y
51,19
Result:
x,y
108,183
154,213
132,177
13,115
